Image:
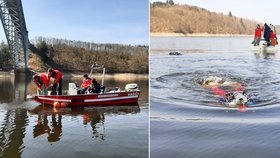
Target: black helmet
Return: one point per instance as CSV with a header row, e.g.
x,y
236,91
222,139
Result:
x,y
50,70
35,76
85,75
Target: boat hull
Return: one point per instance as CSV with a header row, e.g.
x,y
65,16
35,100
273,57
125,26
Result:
x,y
112,98
265,49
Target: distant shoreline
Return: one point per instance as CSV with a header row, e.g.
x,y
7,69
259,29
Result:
x,y
164,34
116,76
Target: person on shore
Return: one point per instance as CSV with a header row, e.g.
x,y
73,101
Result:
x,y
42,82
57,75
258,35
87,81
96,87
273,39
266,34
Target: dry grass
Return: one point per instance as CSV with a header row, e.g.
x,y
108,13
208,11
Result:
x,y
118,76
187,19
73,57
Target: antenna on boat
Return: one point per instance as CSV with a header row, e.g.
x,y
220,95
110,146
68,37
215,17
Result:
x,y
103,76
98,67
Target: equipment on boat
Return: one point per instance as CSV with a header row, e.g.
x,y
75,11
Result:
x,y
263,48
72,89
131,87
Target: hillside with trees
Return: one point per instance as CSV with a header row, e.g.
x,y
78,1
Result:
x,y
172,18
78,56
5,57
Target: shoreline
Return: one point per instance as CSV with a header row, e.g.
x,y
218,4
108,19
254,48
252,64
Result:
x,y
116,76
171,34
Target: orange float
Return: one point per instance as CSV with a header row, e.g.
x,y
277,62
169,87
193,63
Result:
x,y
86,119
56,105
63,105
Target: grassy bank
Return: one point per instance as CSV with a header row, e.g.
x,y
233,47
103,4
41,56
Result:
x,y
78,56
162,34
186,20
115,76
5,74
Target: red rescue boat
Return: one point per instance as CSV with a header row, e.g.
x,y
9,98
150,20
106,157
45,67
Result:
x,y
129,95
107,98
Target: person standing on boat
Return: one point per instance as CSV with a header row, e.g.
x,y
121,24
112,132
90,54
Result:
x,y
273,39
258,35
85,84
57,75
42,82
266,34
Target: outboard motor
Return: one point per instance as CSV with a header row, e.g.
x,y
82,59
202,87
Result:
x,y
131,87
263,44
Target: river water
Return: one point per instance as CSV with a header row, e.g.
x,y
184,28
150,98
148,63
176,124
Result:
x,y
28,129
188,121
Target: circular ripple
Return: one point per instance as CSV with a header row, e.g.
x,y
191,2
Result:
x,y
186,87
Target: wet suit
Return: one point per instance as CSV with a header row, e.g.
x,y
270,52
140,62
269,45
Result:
x,y
228,96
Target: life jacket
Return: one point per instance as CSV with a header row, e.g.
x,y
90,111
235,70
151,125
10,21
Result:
x,y
272,35
258,32
43,81
57,75
86,83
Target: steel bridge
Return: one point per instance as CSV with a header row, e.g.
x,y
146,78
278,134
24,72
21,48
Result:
x,y
12,17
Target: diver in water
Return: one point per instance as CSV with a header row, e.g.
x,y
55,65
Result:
x,y
233,95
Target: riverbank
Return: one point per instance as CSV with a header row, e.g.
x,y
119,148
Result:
x,y
115,76
172,34
6,74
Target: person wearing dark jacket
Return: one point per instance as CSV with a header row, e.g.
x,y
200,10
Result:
x,y
96,86
266,34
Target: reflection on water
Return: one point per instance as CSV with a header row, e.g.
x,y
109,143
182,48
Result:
x,y
29,129
12,132
49,120
13,89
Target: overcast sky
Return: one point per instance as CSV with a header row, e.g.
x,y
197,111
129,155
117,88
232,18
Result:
x,y
259,10
100,21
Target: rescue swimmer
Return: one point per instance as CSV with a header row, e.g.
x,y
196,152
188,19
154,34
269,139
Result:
x,y
232,97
